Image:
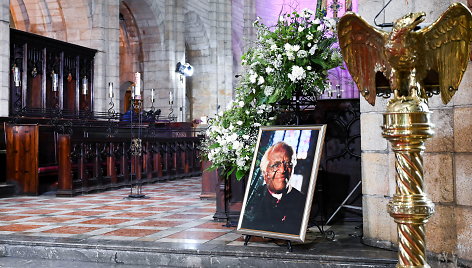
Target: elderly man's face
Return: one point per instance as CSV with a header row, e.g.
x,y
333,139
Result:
x,y
278,170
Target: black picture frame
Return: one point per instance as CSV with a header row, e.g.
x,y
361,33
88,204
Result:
x,y
282,213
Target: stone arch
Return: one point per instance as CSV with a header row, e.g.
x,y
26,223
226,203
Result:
x,y
143,33
19,18
197,53
131,52
44,17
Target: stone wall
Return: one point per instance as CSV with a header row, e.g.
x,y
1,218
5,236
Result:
x,y
168,31
447,160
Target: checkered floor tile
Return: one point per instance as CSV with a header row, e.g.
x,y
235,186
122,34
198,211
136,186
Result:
x,y
173,212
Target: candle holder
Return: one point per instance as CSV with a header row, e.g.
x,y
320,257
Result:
x,y
136,149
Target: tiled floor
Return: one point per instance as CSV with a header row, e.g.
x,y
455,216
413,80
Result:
x,y
173,212
109,227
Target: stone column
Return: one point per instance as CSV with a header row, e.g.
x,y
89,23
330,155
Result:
x,y
5,68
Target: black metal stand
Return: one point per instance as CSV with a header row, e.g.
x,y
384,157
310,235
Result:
x,y
289,243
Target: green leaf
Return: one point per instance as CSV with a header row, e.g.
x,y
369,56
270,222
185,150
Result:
x,y
240,174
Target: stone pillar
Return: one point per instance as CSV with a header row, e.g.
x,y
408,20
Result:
x,y
5,68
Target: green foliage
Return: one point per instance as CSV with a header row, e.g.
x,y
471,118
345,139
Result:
x,y
293,55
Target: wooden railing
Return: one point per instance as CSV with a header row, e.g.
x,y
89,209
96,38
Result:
x,y
88,164
88,159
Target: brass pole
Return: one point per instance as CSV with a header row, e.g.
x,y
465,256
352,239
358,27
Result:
x,y
410,208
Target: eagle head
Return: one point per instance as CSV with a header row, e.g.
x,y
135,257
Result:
x,y
409,22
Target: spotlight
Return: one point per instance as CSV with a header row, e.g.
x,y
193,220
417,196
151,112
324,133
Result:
x,y
184,69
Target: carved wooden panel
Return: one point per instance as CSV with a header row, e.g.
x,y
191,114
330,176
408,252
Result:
x,y
22,157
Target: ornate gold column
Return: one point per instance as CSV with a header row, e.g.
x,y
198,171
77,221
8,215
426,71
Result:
x,y
407,126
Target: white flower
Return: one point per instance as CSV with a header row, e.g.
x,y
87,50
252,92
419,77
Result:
x,y
317,21
239,122
295,48
240,162
313,49
300,29
231,127
247,112
290,56
256,124
309,44
308,68
244,62
288,47
246,137
241,104
269,69
273,47
229,105
268,90
309,37
220,113
297,74
320,27
237,145
261,80
253,78
302,54
232,137
281,18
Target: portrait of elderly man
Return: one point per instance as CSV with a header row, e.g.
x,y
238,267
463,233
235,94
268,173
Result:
x,y
275,205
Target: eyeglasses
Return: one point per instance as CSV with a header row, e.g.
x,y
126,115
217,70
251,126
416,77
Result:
x,y
274,167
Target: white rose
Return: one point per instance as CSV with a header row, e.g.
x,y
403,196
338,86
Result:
x,y
297,74
239,122
269,69
246,137
308,68
241,104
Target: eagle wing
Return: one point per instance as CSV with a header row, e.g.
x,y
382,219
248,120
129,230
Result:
x,y
362,48
446,48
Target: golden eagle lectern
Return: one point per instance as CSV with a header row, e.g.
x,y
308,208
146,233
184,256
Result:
x,y
414,64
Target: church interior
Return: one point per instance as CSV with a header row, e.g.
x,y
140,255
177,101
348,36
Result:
x,y
105,107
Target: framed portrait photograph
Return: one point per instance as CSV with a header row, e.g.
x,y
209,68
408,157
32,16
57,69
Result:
x,y
281,184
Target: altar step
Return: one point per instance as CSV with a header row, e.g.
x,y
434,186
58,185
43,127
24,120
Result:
x,y
144,255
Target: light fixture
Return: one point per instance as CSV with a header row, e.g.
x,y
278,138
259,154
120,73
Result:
x,y
184,69
55,81
16,76
84,85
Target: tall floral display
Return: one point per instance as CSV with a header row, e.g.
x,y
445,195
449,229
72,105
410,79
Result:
x,y
291,57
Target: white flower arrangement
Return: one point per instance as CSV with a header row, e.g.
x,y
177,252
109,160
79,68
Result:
x,y
294,55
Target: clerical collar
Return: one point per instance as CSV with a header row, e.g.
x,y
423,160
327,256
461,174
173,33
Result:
x,y
279,196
